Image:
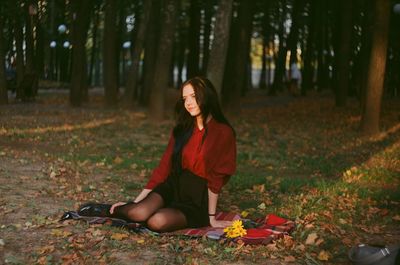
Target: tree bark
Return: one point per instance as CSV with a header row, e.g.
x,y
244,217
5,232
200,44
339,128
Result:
x,y
150,52
342,55
280,61
79,78
133,73
218,53
20,61
208,13
94,49
237,65
309,68
194,39
376,72
3,82
110,67
164,56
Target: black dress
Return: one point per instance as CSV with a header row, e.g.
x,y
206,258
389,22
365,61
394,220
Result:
x,y
187,193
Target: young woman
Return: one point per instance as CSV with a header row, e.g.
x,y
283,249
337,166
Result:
x,y
200,157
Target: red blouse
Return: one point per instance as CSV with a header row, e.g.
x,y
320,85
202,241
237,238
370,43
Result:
x,y
214,160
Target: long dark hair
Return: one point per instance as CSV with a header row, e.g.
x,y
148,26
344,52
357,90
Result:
x,y
207,99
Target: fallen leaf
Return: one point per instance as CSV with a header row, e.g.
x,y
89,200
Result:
x,y
119,236
324,255
60,233
262,206
118,160
396,217
290,259
311,238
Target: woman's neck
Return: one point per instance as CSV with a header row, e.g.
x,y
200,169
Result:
x,y
200,121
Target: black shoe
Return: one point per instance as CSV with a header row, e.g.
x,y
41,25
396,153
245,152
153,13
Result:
x,y
95,209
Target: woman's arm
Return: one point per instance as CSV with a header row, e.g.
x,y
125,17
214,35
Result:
x,y
143,194
212,208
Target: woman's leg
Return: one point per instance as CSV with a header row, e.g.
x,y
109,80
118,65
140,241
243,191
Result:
x,y
141,211
167,219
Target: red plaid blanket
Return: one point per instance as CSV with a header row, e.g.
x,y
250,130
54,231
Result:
x,y
263,231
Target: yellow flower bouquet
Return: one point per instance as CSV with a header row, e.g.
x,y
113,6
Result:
x,y
235,230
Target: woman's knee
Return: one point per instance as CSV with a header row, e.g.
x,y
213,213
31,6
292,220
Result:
x,y
158,222
138,214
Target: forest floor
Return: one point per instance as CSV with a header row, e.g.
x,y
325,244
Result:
x,y
300,158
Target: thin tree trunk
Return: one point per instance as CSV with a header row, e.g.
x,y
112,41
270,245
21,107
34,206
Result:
x,y
309,68
263,83
194,39
376,73
110,60
342,55
3,82
20,61
79,78
280,60
294,30
94,49
218,53
164,56
208,13
133,73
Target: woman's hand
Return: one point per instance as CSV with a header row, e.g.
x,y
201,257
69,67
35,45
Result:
x,y
216,223
116,205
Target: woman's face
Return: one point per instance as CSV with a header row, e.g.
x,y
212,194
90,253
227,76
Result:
x,y
189,99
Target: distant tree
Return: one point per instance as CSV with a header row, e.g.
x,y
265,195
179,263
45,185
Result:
x,y
193,59
164,56
343,51
79,79
309,58
376,73
280,58
208,7
133,73
110,66
219,49
3,82
20,61
236,69
150,52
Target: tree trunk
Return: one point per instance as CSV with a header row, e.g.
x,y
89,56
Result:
x,y
194,39
164,56
216,63
150,52
263,83
20,61
238,64
110,67
133,73
79,79
94,49
3,82
280,61
342,53
294,30
376,73
208,13
309,68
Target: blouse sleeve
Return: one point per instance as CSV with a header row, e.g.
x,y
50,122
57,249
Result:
x,y
223,160
161,172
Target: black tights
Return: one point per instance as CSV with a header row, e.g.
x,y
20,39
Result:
x,y
150,210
